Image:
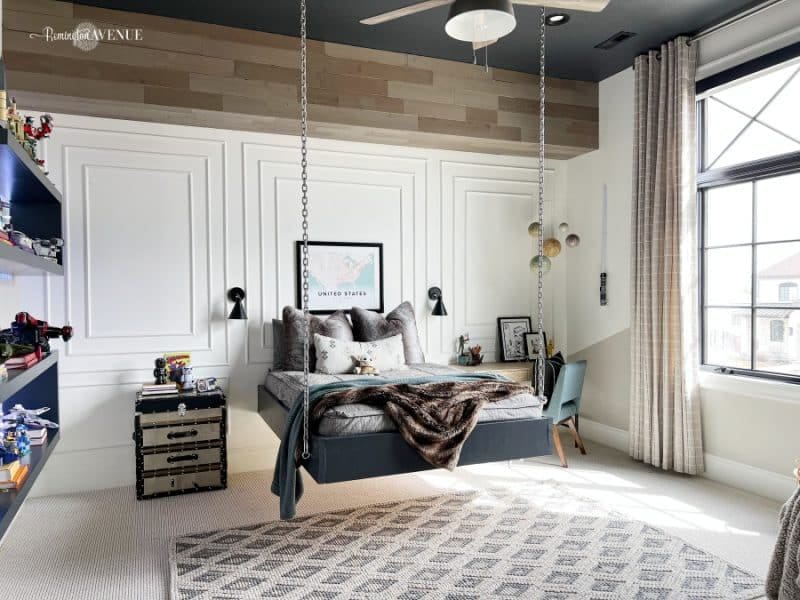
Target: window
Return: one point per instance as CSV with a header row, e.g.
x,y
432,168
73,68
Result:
x,y
749,196
776,328
788,292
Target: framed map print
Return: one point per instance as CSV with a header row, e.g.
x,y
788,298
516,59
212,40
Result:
x,y
341,275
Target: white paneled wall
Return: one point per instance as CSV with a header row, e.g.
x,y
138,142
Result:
x,y
161,220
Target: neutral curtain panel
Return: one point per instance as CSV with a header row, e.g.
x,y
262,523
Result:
x,y
665,401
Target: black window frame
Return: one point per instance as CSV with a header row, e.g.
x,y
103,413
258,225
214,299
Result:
x,y
754,171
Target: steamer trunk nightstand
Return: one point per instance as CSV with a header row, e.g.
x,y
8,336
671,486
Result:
x,y
180,443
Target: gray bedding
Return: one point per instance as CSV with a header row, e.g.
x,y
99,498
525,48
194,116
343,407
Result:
x,y
352,419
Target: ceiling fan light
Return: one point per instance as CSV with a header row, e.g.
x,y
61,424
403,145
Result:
x,y
480,20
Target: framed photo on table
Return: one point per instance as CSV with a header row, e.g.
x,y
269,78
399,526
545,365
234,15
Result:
x,y
512,332
534,348
341,275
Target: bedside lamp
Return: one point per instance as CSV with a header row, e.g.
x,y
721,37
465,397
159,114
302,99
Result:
x,y
439,310
237,295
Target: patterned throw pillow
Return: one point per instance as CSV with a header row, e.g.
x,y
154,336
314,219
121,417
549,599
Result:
x,y
370,326
336,357
335,326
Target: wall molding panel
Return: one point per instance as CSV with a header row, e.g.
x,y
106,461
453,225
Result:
x,y
162,219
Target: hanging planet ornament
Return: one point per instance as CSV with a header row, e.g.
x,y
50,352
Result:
x,y
533,229
545,262
552,247
564,227
573,241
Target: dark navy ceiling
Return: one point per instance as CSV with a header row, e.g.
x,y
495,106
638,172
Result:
x,y
571,49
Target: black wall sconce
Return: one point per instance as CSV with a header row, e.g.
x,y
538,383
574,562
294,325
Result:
x,y
439,310
237,296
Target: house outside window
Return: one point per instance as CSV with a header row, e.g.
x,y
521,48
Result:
x,y
749,200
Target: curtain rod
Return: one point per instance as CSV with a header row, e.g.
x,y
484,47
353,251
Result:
x,y
737,18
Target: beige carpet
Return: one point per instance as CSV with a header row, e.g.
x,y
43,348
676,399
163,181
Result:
x,y
105,545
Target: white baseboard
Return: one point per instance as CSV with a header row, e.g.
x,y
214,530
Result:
x,y
604,434
722,470
750,479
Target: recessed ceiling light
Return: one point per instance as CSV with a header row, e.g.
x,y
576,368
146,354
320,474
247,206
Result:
x,y
557,19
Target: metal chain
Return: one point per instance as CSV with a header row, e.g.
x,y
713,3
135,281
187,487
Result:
x,y
540,273
306,454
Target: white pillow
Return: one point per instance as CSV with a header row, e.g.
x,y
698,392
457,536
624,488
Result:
x,y
335,357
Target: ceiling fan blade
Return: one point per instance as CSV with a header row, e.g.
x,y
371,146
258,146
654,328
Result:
x,y
405,11
585,5
478,45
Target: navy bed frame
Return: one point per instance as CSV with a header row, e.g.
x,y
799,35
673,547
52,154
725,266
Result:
x,y
348,457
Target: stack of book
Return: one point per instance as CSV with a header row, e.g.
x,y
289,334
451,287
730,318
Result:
x,y
26,361
157,389
37,436
13,475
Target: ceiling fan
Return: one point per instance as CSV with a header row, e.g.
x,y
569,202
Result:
x,y
483,22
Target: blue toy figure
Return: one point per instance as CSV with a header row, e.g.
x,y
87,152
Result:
x,y
22,440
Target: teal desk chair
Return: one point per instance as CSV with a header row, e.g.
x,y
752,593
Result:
x,y
564,405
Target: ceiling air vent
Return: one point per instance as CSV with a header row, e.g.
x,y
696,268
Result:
x,y
615,40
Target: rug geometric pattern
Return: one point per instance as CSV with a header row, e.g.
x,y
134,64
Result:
x,y
550,545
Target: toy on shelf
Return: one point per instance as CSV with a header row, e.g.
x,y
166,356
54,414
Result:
x,y
29,416
29,331
22,241
207,384
41,132
27,134
16,440
179,369
160,372
21,440
186,379
5,220
48,249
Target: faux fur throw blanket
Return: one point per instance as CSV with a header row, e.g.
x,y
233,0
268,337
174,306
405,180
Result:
x,y
434,418
783,580
434,414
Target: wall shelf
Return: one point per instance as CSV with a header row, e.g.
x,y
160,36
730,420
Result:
x,y
18,379
21,179
34,388
16,261
10,501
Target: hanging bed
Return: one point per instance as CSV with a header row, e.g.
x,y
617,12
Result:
x,y
358,441
343,429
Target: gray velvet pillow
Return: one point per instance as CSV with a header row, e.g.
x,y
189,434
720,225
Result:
x,y
369,326
335,326
278,346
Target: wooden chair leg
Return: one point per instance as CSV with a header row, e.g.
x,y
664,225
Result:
x,y
577,428
576,435
559,449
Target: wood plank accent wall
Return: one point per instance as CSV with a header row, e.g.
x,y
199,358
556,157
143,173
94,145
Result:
x,y
199,74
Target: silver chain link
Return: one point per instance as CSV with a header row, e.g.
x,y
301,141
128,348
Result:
x,y
304,189
540,272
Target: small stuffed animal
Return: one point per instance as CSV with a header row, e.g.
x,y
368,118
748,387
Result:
x,y
364,366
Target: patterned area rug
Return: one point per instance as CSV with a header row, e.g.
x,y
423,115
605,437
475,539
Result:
x,y
550,545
